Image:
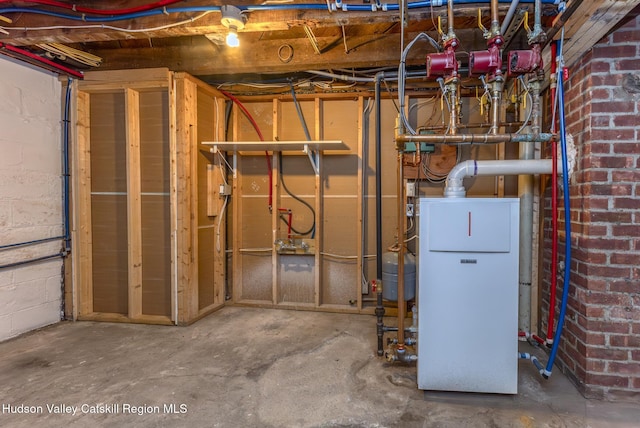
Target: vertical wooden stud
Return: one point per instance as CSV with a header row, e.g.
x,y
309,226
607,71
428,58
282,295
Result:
x,y
359,213
236,261
134,203
277,125
173,197
219,268
82,253
186,118
319,135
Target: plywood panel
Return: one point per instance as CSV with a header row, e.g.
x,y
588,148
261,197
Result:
x,y
340,175
206,132
207,110
254,177
292,129
296,279
110,255
340,278
255,223
154,141
206,255
108,148
262,113
340,122
298,175
156,255
256,276
156,221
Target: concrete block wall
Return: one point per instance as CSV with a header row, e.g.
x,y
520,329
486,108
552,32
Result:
x,y
601,346
30,196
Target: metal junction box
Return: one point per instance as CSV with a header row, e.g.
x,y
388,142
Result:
x,y
468,295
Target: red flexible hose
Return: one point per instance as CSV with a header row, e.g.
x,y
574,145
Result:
x,y
257,128
49,64
83,9
554,209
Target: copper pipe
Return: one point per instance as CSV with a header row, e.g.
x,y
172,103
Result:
x,y
496,95
453,117
473,138
495,18
401,228
451,34
466,126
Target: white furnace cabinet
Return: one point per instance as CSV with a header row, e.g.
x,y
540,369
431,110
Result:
x,y
468,295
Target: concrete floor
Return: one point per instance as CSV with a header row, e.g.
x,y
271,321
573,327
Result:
x,y
246,367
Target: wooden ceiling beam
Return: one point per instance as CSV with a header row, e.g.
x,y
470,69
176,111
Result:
x,y
589,23
207,59
258,21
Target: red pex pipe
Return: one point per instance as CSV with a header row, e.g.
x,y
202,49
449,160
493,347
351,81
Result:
x,y
82,9
44,62
554,207
257,128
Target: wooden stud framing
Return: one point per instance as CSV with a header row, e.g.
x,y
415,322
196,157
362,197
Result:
x,y
319,135
220,263
183,155
360,193
187,275
236,261
134,203
173,197
82,253
275,165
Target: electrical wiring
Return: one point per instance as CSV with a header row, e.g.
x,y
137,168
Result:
x,y
85,18
312,229
109,27
83,9
260,136
223,175
32,58
402,74
527,94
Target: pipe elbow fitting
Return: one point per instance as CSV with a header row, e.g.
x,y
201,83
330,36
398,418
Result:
x,y
454,188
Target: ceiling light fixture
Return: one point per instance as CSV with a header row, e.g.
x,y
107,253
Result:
x,y
234,20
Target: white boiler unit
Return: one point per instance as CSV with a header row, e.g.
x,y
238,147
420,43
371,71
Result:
x,y
468,295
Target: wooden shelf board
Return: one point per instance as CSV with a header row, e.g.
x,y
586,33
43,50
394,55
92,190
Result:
x,y
276,146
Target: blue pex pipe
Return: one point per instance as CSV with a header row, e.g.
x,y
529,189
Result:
x,y
567,227
338,5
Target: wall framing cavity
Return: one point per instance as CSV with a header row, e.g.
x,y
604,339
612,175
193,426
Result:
x,y
142,190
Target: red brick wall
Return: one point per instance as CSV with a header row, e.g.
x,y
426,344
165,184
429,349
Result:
x,y
600,349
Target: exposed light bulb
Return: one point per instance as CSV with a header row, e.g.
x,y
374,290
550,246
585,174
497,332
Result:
x,y
232,37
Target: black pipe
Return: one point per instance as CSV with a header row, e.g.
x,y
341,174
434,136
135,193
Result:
x,y
379,306
36,241
65,169
378,100
379,77
25,262
379,323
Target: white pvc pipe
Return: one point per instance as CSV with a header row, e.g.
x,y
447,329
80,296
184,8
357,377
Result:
x,y
454,187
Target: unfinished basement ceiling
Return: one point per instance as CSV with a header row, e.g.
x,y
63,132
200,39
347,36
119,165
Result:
x,y
277,38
